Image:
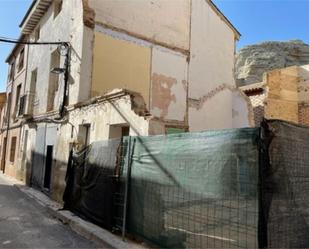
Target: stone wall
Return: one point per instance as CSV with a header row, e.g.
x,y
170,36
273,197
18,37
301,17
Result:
x,y
255,60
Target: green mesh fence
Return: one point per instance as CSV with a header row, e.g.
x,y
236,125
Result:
x,y
284,185
194,190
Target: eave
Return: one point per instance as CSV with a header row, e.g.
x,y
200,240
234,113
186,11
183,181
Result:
x,y
225,19
34,14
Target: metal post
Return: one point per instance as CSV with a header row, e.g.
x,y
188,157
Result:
x,y
125,206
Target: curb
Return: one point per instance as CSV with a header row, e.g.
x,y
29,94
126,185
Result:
x,y
86,229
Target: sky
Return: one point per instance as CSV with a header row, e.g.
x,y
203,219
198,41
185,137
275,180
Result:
x,y
256,20
11,14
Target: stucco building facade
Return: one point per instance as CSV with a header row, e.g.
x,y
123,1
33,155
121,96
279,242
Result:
x,y
99,69
11,122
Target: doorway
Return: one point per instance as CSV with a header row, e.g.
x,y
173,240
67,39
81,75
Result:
x,y
3,155
48,166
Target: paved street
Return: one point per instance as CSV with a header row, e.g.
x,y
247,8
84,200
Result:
x,y
25,224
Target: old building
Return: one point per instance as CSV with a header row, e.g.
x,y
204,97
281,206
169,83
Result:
x,y
257,94
11,122
99,69
283,94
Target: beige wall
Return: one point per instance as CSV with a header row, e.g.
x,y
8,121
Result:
x,y
120,64
12,168
282,99
288,94
169,85
100,117
243,115
211,66
163,21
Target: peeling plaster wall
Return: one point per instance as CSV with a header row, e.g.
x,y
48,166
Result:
x,y
211,65
163,21
210,114
99,116
67,26
169,85
120,64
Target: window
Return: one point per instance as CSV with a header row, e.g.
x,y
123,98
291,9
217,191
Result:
x,y
21,59
84,134
57,7
8,107
32,92
12,150
12,71
53,80
37,34
18,89
119,131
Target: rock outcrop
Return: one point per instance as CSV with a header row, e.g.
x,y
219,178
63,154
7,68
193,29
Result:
x,y
253,61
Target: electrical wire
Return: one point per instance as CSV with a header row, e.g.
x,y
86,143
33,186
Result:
x,y
14,41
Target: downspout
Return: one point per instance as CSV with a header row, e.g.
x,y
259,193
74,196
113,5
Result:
x,y
66,79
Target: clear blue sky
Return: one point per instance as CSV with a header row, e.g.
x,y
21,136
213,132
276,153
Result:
x,y
11,14
257,20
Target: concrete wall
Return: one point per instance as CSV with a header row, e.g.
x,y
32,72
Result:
x,y
163,21
211,65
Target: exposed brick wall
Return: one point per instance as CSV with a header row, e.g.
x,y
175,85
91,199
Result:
x,y
303,114
257,102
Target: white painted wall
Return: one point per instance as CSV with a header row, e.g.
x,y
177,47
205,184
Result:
x,y
242,114
101,116
174,66
211,65
165,21
67,26
215,113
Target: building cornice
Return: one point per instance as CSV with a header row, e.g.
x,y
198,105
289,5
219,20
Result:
x,y
34,14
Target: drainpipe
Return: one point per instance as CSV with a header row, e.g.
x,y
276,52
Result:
x,y
66,78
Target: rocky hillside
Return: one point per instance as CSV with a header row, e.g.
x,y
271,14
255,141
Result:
x,y
252,61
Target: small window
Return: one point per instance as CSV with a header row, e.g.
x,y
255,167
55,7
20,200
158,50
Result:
x,y
53,80
37,34
84,134
21,59
174,130
18,90
118,131
8,106
12,71
57,7
13,148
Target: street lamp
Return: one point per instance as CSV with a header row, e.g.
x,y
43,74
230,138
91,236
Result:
x,y
57,70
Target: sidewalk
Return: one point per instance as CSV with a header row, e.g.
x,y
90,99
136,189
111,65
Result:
x,y
86,229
